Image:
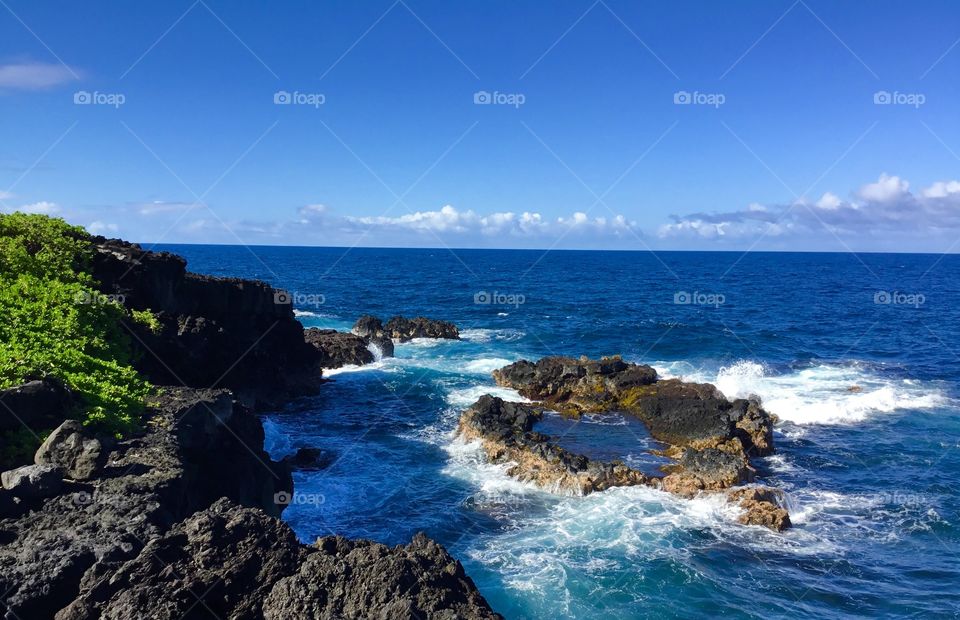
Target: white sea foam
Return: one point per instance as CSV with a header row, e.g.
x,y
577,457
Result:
x,y
487,335
352,368
826,394
821,394
276,442
486,365
465,397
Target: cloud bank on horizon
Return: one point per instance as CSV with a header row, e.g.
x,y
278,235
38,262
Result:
x,y
885,213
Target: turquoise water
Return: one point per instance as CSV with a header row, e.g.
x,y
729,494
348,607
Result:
x,y
870,473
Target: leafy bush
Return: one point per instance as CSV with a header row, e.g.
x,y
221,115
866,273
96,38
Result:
x,y
54,322
148,319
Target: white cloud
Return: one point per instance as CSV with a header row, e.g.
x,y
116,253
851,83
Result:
x,y
942,189
5,195
43,207
34,75
100,228
886,189
884,208
159,207
451,221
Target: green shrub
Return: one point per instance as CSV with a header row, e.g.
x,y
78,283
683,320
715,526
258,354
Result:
x,y
54,322
148,319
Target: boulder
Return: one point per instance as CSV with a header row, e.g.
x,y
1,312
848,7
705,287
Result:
x,y
33,481
73,449
403,329
338,348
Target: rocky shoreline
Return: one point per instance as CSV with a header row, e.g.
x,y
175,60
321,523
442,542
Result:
x,y
709,438
181,518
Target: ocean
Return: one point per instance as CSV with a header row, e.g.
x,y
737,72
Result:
x,y
858,356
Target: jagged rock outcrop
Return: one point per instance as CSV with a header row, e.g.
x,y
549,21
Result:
x,y
762,506
214,332
675,412
371,329
344,578
338,348
711,439
307,459
202,445
403,329
233,562
506,432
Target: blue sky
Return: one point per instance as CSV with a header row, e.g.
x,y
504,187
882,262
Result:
x,y
811,125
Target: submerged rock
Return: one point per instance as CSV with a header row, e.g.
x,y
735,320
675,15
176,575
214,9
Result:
x,y
338,348
309,459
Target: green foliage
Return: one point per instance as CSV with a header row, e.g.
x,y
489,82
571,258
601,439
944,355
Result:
x,y
53,322
148,319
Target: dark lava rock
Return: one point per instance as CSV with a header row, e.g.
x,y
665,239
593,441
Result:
x,y
402,329
224,332
218,563
72,448
675,412
202,445
309,459
362,579
371,329
233,562
33,481
338,348
506,432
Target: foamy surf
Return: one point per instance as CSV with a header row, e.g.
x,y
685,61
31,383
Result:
x,y
821,394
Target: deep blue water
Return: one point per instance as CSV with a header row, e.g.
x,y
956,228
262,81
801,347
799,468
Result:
x,y
870,474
